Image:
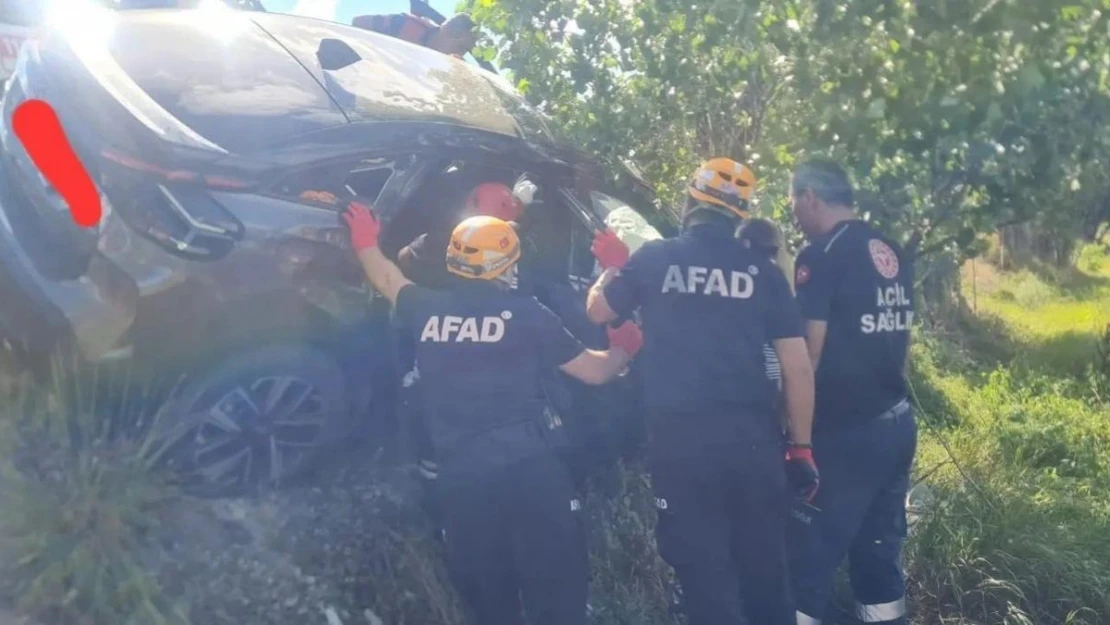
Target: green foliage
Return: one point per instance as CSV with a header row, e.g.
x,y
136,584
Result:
x,y
76,505
954,117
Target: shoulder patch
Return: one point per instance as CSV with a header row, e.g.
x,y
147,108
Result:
x,y
801,276
884,259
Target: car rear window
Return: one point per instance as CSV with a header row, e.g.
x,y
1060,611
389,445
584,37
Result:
x,y
230,82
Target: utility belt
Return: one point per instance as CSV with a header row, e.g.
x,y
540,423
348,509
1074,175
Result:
x,y
504,445
895,411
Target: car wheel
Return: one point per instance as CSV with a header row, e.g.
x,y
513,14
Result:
x,y
256,419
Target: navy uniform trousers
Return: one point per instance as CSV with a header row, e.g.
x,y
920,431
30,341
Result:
x,y
859,512
514,535
723,506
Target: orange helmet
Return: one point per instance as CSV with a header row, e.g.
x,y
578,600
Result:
x,y
725,183
493,199
483,248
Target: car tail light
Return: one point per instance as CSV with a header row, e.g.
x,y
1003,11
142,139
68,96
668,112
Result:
x,y
172,207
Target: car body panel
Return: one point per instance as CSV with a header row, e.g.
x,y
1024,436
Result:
x,y
397,80
231,83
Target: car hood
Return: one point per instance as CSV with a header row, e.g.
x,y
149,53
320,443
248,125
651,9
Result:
x,y
242,81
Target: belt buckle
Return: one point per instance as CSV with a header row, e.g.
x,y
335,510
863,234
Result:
x,y
895,411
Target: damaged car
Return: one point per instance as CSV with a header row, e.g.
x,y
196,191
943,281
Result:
x,y
224,145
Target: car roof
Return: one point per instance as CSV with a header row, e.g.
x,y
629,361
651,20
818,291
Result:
x,y
250,80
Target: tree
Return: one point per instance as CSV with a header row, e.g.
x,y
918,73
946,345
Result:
x,y
955,117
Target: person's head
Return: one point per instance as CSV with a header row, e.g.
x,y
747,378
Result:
x,y
493,199
455,36
720,187
484,248
762,236
820,197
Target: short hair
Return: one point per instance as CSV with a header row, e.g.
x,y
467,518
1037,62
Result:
x,y
826,179
763,235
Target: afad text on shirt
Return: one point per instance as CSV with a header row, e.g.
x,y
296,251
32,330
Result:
x,y
463,329
705,281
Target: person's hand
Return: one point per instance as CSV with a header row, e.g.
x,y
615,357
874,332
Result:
x,y
364,226
610,252
801,472
626,337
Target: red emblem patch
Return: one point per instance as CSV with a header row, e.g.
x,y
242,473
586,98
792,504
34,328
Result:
x,y
801,276
884,259
504,242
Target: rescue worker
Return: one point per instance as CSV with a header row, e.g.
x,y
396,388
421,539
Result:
x,y
422,262
510,513
855,289
715,452
455,37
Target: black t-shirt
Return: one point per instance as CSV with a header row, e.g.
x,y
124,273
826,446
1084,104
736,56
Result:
x,y
482,353
708,306
861,284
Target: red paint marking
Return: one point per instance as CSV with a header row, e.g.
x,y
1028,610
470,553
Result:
x,y
37,126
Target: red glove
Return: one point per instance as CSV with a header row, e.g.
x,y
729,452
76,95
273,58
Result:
x,y
610,252
364,226
801,472
627,337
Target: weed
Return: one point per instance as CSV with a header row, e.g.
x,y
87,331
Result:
x,y
75,506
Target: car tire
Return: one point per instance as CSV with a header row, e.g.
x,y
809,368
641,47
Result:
x,y
255,419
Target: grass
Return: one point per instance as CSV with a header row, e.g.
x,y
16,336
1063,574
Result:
x,y
1018,531
77,502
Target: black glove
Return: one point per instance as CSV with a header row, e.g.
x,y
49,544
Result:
x,y
801,472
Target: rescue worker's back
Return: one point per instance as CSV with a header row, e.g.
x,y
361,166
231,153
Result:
x,y
855,279
706,303
709,305
487,349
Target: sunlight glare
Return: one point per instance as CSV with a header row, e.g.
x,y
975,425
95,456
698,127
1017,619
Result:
x,y
220,20
82,22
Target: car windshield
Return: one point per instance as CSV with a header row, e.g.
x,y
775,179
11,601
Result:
x,y
630,226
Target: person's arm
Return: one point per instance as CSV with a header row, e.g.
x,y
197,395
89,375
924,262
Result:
x,y
596,367
597,306
783,321
798,387
562,350
614,294
383,274
815,340
410,254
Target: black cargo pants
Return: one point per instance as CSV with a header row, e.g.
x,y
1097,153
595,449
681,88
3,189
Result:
x,y
515,533
722,506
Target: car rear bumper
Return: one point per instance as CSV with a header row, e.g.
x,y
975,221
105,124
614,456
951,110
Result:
x,y
38,314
